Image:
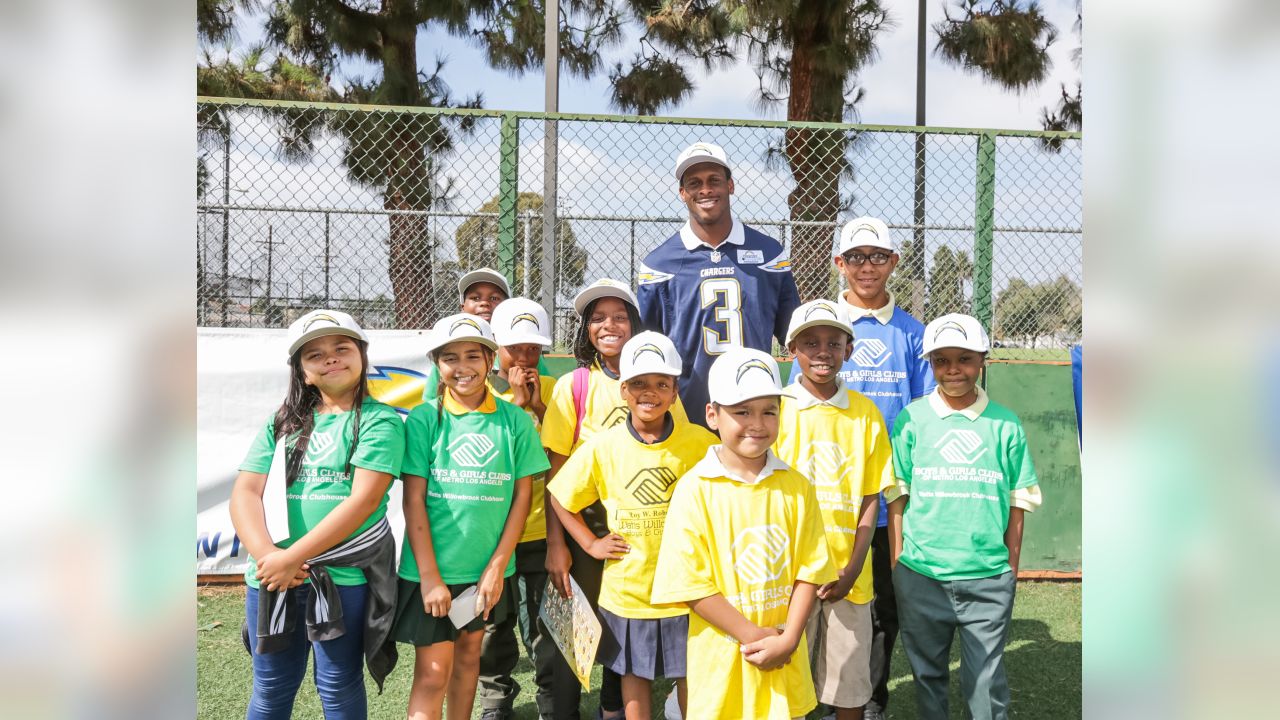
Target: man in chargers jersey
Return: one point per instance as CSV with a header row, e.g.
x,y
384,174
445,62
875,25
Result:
x,y
716,283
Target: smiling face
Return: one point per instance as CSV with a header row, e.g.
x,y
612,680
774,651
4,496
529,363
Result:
x,y
332,364
649,396
705,189
747,429
464,366
867,281
481,298
957,371
821,351
609,326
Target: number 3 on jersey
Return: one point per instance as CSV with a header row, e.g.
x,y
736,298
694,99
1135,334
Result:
x,y
726,295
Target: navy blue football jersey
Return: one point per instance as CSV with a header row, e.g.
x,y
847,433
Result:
x,y
708,300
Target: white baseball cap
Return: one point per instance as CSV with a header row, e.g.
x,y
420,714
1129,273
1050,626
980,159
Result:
x,y
518,321
319,323
955,330
483,274
743,374
700,152
461,327
818,312
604,287
649,352
864,231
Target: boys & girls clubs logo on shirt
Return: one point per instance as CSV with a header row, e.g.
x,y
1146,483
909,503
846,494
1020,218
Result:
x,y
320,447
959,446
472,450
870,352
825,466
650,485
760,554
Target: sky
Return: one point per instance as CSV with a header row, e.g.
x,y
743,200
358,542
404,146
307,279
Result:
x,y
954,98
1034,189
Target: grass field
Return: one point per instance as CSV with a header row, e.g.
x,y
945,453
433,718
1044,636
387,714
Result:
x,y
1043,659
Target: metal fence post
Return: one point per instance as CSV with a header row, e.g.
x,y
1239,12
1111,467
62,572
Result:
x,y
528,252
328,298
508,193
984,223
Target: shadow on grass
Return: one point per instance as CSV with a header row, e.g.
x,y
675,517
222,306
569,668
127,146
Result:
x,y
1044,676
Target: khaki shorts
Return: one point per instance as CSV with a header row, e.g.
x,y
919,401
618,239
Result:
x,y
839,636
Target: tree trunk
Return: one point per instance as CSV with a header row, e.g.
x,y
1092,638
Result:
x,y
816,159
410,256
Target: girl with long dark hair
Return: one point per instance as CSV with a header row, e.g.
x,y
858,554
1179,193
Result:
x,y
329,586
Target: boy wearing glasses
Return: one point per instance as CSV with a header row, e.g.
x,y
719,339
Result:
x,y
886,366
717,283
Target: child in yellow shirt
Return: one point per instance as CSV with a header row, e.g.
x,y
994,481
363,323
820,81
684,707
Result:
x,y
744,548
837,438
632,468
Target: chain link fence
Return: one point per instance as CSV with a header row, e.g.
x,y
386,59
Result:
x,y
379,211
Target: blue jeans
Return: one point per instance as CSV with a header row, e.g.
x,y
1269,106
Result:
x,y
339,670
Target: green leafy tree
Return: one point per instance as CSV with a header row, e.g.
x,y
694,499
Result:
x,y
1069,113
399,154
1006,43
808,56
951,270
1028,313
477,241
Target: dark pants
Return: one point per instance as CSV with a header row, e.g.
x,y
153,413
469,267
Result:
x,y
884,620
339,670
567,691
499,651
933,611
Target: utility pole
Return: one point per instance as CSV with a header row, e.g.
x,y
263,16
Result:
x,y
918,250
271,244
551,65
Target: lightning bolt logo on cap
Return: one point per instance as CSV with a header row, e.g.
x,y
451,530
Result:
x,y
524,317
823,307
647,347
950,325
317,318
464,322
753,364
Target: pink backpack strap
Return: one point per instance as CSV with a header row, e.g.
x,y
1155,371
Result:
x,y
581,378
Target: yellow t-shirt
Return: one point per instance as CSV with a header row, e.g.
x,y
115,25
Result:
x,y
749,542
634,481
535,526
604,409
842,446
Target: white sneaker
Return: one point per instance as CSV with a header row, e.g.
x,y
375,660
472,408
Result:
x,y
671,709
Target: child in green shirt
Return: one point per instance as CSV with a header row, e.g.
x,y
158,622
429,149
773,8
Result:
x,y
964,480
469,460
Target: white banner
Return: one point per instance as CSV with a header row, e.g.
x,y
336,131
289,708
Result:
x,y
242,377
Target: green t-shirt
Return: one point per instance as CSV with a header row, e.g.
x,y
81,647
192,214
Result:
x,y
471,462
433,377
323,481
960,473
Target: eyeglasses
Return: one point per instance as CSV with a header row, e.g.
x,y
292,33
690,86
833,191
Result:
x,y
714,183
857,258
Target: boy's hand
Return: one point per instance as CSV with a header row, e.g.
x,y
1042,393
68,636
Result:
x,y
558,563
610,547
436,599
516,377
279,570
839,589
769,653
535,403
